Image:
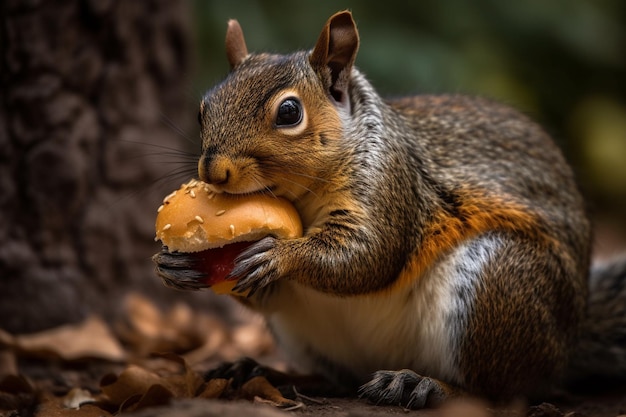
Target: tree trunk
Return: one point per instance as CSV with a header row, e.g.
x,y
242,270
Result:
x,y
85,86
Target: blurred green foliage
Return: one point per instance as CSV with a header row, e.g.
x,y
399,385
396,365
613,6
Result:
x,y
563,62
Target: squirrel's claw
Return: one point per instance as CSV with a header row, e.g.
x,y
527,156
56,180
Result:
x,y
255,267
407,388
176,269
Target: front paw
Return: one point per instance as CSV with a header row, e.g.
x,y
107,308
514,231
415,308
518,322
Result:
x,y
179,270
258,266
406,388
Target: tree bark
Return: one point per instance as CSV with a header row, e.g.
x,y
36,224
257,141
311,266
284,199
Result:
x,y
84,87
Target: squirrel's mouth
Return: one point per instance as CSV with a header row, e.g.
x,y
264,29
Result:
x,y
267,190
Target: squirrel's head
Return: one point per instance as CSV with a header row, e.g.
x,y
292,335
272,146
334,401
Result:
x,y
274,124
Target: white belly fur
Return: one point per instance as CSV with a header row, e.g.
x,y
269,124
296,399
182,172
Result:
x,y
418,327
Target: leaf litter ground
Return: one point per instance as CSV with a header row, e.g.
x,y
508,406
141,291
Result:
x,y
96,368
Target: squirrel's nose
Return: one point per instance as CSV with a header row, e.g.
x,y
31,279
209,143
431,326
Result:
x,y
215,170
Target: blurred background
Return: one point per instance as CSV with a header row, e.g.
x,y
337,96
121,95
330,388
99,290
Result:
x,y
99,104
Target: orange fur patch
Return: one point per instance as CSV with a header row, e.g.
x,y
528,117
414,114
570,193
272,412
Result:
x,y
476,215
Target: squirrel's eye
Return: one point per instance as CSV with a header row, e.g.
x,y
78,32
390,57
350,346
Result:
x,y
289,113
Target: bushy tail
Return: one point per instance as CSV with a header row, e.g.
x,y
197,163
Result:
x,y
601,352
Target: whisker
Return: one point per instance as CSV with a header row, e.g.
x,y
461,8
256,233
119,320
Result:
x,y
292,169
164,162
265,187
179,175
177,158
301,186
179,171
183,165
158,146
313,177
272,166
170,123
180,159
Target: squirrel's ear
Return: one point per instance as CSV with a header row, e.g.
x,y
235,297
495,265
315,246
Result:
x,y
236,49
335,52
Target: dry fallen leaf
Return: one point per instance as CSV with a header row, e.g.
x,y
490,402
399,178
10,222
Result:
x,y
89,339
137,387
214,388
77,397
187,382
250,339
259,387
215,337
196,336
134,380
146,329
51,406
155,395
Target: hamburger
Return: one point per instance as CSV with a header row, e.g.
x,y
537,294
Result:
x,y
218,227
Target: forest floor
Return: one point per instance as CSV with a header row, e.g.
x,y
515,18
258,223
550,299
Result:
x,y
99,369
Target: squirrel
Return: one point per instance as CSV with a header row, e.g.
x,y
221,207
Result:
x,y
446,246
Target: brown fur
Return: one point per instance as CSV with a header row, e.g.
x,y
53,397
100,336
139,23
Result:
x,y
516,327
